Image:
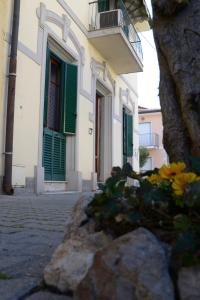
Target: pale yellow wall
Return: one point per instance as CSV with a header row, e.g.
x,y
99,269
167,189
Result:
x,y
159,156
28,93
85,139
26,121
5,16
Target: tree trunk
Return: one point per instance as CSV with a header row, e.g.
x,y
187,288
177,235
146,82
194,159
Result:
x,y
176,27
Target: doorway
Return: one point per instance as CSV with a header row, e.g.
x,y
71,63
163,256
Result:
x,y
98,136
103,133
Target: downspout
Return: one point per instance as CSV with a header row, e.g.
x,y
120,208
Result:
x,y
7,180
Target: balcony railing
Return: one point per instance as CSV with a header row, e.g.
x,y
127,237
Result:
x,y
102,17
149,140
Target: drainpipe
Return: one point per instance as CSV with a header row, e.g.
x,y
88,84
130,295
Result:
x,y
7,180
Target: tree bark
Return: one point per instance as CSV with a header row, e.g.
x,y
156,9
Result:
x,y
176,27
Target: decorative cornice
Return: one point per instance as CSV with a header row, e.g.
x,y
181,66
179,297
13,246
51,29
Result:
x,y
98,67
44,15
129,85
63,22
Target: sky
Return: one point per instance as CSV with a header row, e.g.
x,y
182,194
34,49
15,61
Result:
x,y
148,80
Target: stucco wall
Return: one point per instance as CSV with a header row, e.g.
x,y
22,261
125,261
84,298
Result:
x,y
33,31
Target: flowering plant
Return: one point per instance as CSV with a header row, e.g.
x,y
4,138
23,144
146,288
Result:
x,y
166,201
174,177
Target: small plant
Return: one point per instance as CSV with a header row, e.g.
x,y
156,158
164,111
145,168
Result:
x,y
4,276
167,202
144,154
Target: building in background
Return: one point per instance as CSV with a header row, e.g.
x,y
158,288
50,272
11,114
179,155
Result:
x,y
76,101
151,135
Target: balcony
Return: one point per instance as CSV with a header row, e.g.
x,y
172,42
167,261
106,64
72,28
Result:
x,y
149,140
112,33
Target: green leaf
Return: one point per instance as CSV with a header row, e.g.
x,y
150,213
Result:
x,y
98,200
4,276
111,209
182,223
155,196
187,242
127,169
116,173
192,194
185,251
134,217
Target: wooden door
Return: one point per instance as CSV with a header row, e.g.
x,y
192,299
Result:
x,y
98,136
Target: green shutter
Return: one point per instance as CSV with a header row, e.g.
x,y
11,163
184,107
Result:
x,y
59,149
54,153
124,133
103,5
129,135
47,153
46,88
70,98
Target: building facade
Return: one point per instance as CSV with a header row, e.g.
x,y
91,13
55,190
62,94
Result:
x,y
5,27
151,136
76,109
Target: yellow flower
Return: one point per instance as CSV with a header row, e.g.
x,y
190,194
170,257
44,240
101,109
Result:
x,y
168,172
181,181
154,178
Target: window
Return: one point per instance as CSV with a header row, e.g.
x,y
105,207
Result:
x,y
145,134
59,114
54,97
60,95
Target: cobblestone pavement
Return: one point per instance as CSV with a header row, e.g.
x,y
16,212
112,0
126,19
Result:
x,y
30,229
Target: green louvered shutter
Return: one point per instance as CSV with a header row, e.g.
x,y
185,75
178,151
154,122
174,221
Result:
x,y
70,98
129,135
103,5
124,137
46,87
47,153
58,157
124,133
54,154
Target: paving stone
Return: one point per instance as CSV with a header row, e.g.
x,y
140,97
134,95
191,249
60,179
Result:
x,y
48,296
14,289
30,229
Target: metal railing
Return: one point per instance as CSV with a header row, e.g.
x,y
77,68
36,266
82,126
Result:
x,y
102,16
149,140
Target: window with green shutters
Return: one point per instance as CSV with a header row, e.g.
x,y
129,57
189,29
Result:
x,y
59,115
103,5
127,135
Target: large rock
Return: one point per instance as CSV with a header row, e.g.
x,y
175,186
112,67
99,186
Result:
x,y
78,223
133,267
189,283
72,259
